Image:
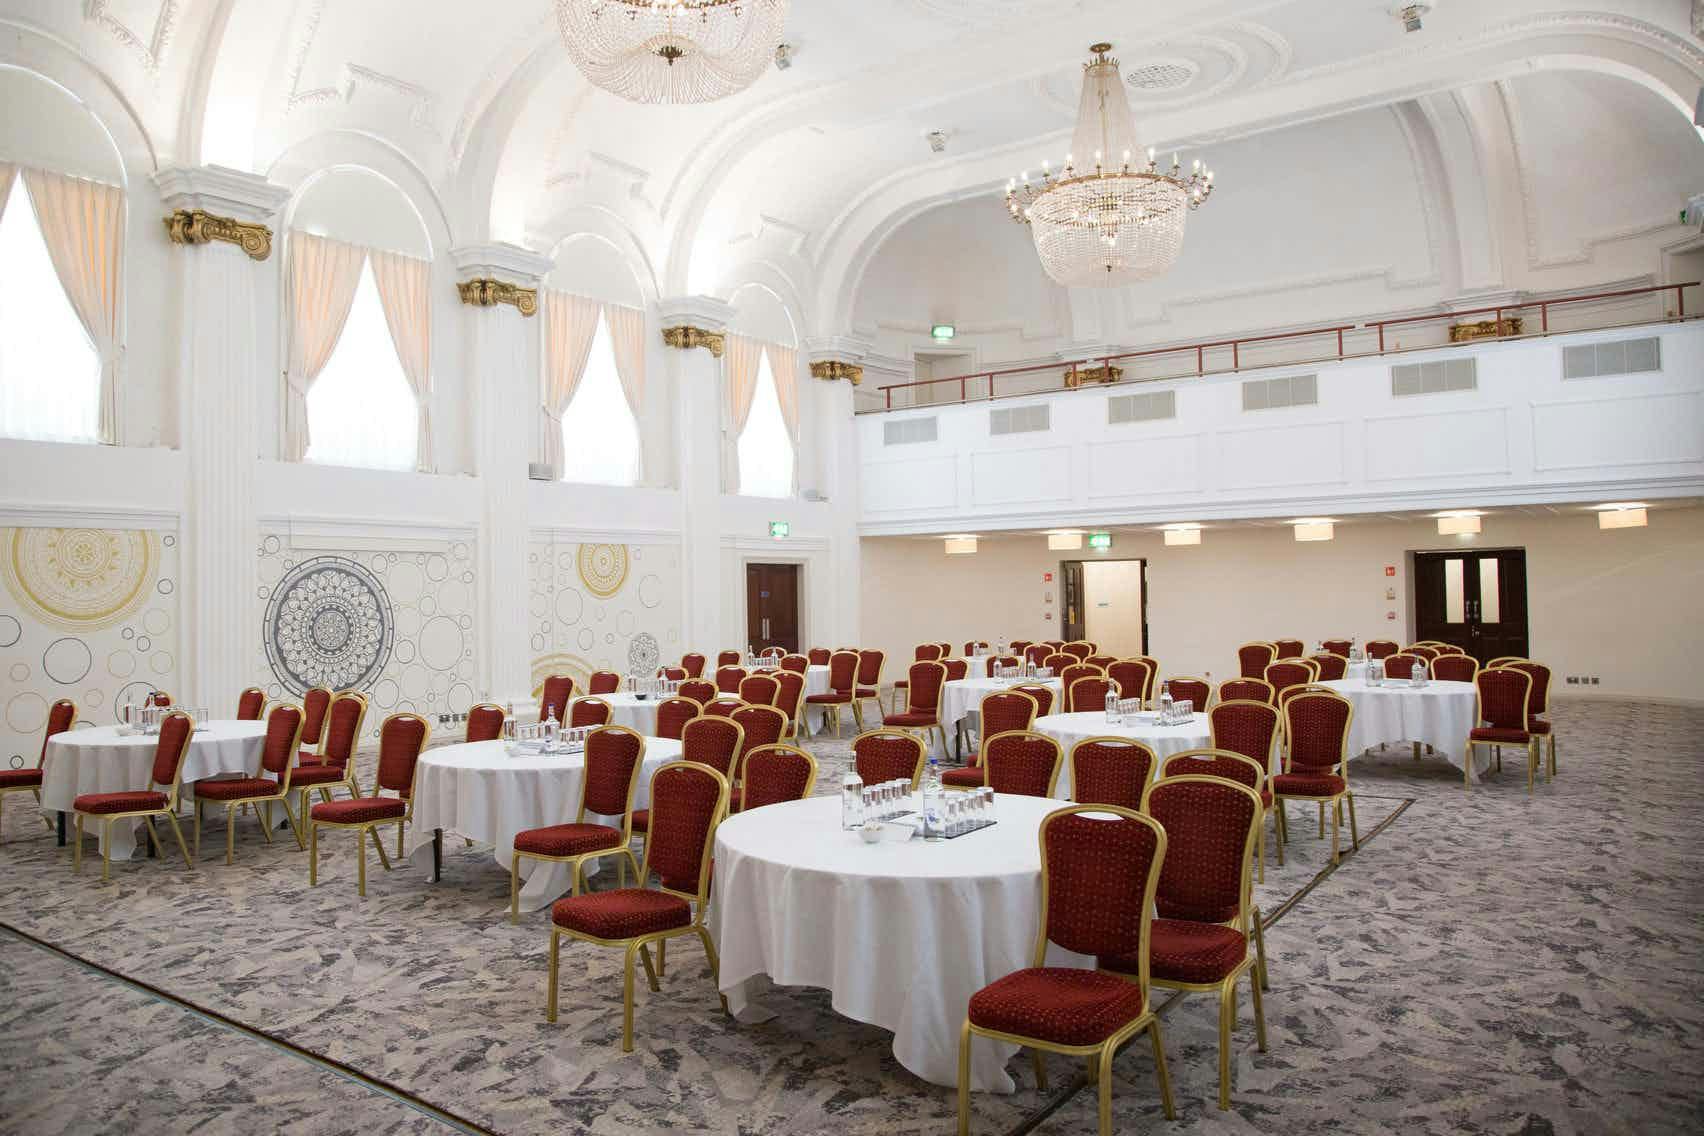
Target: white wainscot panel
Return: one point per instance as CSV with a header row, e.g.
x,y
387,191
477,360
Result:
x,y
906,486
1267,457
1658,429
1446,444
1145,467
1000,477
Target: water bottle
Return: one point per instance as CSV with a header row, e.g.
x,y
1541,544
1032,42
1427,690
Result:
x,y
1167,706
550,727
1112,708
932,825
851,800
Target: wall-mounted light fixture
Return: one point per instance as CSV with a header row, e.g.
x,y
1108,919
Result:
x,y
1064,540
1314,528
1622,515
1461,522
1183,534
961,544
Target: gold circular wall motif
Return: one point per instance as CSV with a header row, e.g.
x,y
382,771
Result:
x,y
80,579
603,568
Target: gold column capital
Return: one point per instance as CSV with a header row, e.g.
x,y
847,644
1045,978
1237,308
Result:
x,y
486,292
830,370
686,337
199,227
1099,373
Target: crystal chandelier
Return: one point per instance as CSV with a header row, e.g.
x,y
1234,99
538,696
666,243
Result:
x,y
671,51
1109,222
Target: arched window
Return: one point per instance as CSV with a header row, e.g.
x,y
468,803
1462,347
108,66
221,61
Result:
x,y
50,372
600,439
765,450
361,410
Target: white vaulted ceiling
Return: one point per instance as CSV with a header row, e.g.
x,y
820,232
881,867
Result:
x,y
1471,128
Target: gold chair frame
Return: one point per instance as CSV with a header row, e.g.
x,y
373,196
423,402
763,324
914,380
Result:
x,y
368,828
263,802
169,811
41,760
1334,802
349,780
1533,752
940,700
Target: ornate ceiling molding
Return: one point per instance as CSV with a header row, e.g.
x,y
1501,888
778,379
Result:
x,y
151,48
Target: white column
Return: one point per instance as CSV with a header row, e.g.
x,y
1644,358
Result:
x,y
693,330
224,375
499,291
836,369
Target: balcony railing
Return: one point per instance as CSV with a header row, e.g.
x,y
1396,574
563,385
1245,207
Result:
x,y
1318,345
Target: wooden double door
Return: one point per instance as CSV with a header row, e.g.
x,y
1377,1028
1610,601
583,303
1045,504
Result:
x,y
772,606
1475,600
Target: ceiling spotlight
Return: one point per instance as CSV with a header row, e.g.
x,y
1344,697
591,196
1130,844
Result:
x,y
783,56
937,140
1411,14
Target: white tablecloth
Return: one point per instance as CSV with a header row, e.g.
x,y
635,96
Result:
x,y
101,760
626,709
1069,729
1439,714
477,790
900,933
816,680
963,697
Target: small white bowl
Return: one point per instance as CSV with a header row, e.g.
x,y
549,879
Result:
x,y
871,833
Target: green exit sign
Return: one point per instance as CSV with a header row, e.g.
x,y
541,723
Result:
x,y
1100,542
780,530
943,331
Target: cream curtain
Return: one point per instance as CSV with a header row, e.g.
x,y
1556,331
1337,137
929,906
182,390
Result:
x,y
570,324
405,293
627,340
741,360
321,289
784,366
82,224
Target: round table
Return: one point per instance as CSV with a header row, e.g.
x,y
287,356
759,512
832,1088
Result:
x,y
816,679
900,933
628,709
1439,714
100,759
1069,729
477,790
963,696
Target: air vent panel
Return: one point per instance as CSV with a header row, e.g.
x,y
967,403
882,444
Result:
x,y
1436,377
1020,419
1271,394
1619,357
910,431
1148,407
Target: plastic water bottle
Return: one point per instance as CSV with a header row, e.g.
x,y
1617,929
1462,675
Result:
x,y
932,824
851,800
550,727
1167,706
1112,718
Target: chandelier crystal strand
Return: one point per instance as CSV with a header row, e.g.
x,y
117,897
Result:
x,y
672,51
1111,215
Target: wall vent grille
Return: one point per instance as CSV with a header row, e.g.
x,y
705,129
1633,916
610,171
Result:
x,y
1270,394
1620,357
1148,407
909,431
1435,377
1019,419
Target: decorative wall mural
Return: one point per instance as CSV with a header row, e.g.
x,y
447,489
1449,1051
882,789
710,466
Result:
x,y
613,607
87,614
395,621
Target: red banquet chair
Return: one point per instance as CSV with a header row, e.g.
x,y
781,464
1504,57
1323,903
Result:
x,y
402,738
728,679
1057,661
1022,763
1245,690
1205,901
888,755
1074,671
975,645
923,702
159,799
1101,661
1253,658
673,674
672,716
728,659
1289,648
868,684
1194,690
1455,668
957,669
1099,874
282,743
1330,666
1110,771
1002,712
1079,650
1287,673
698,690
1087,694
60,717
723,706
1424,651
1037,653
1316,763
922,653
761,726
693,664
790,699
554,696
798,664
316,700
775,774
818,656
689,801
251,704
759,689
1382,648
603,682
1538,703
1504,717
1042,694
842,681
1401,665
335,762
485,723
708,740
1232,767
1135,678
1339,647
614,755
589,711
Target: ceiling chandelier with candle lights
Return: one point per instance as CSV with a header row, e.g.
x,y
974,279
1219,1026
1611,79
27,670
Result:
x,y
1111,216
672,51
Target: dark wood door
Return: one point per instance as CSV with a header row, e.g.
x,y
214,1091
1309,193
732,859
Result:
x,y
1475,600
1072,617
772,606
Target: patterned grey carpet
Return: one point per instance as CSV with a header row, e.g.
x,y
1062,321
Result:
x,y
1489,963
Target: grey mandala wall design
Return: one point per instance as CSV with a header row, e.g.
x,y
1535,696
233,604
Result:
x,y
328,623
643,654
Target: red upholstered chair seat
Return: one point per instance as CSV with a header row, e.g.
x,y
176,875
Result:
x,y
833,697
327,759
1307,784
911,718
118,802
236,789
1181,950
969,777
360,810
1538,726
316,775
1507,735
868,692
622,914
641,820
19,778
1063,1005
567,839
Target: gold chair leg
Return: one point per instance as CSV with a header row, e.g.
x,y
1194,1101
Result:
x,y
1227,1023
715,963
650,971
230,834
1467,768
964,1080
627,999
264,812
106,850
1039,1062
1259,1008
380,845
295,827
550,985
663,956
313,855
1334,841
182,847
198,830
1322,820
77,847
360,865
1160,1069
1354,830
1105,1086
1261,851
1416,751
49,823
1259,948
515,893
400,851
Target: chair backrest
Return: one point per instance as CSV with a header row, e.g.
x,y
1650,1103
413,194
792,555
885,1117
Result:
x,y
1080,649
722,706
169,750
1340,647
672,674
1504,697
1023,763
1455,668
61,716
759,689
777,773
588,712
1244,727
613,757
1087,693
698,689
688,801
975,645
1133,676
1289,648
789,693
1215,763
842,671
1245,690
162,699
1329,665
798,664
870,667
316,700
1018,645
712,741
1423,651
343,728
1101,661
773,653
928,653
484,723
1058,661
1037,653
923,692
1211,825
1538,699
1042,694
728,678
1505,660
955,669
1382,648
1194,690
673,714
1290,692
1447,649
1099,873
1075,671
693,664
251,703
888,755
1006,710
763,725
1110,771
729,658
1288,673
1253,658
1316,731
402,738
1402,664
553,699
819,656
283,739
603,682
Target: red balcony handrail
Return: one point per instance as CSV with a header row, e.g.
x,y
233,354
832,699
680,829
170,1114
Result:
x,y
1543,307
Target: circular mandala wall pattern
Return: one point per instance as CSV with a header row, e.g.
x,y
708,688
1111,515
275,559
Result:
x,y
330,624
81,579
643,655
603,568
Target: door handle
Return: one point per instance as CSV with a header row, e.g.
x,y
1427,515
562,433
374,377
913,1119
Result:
x,y
766,628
